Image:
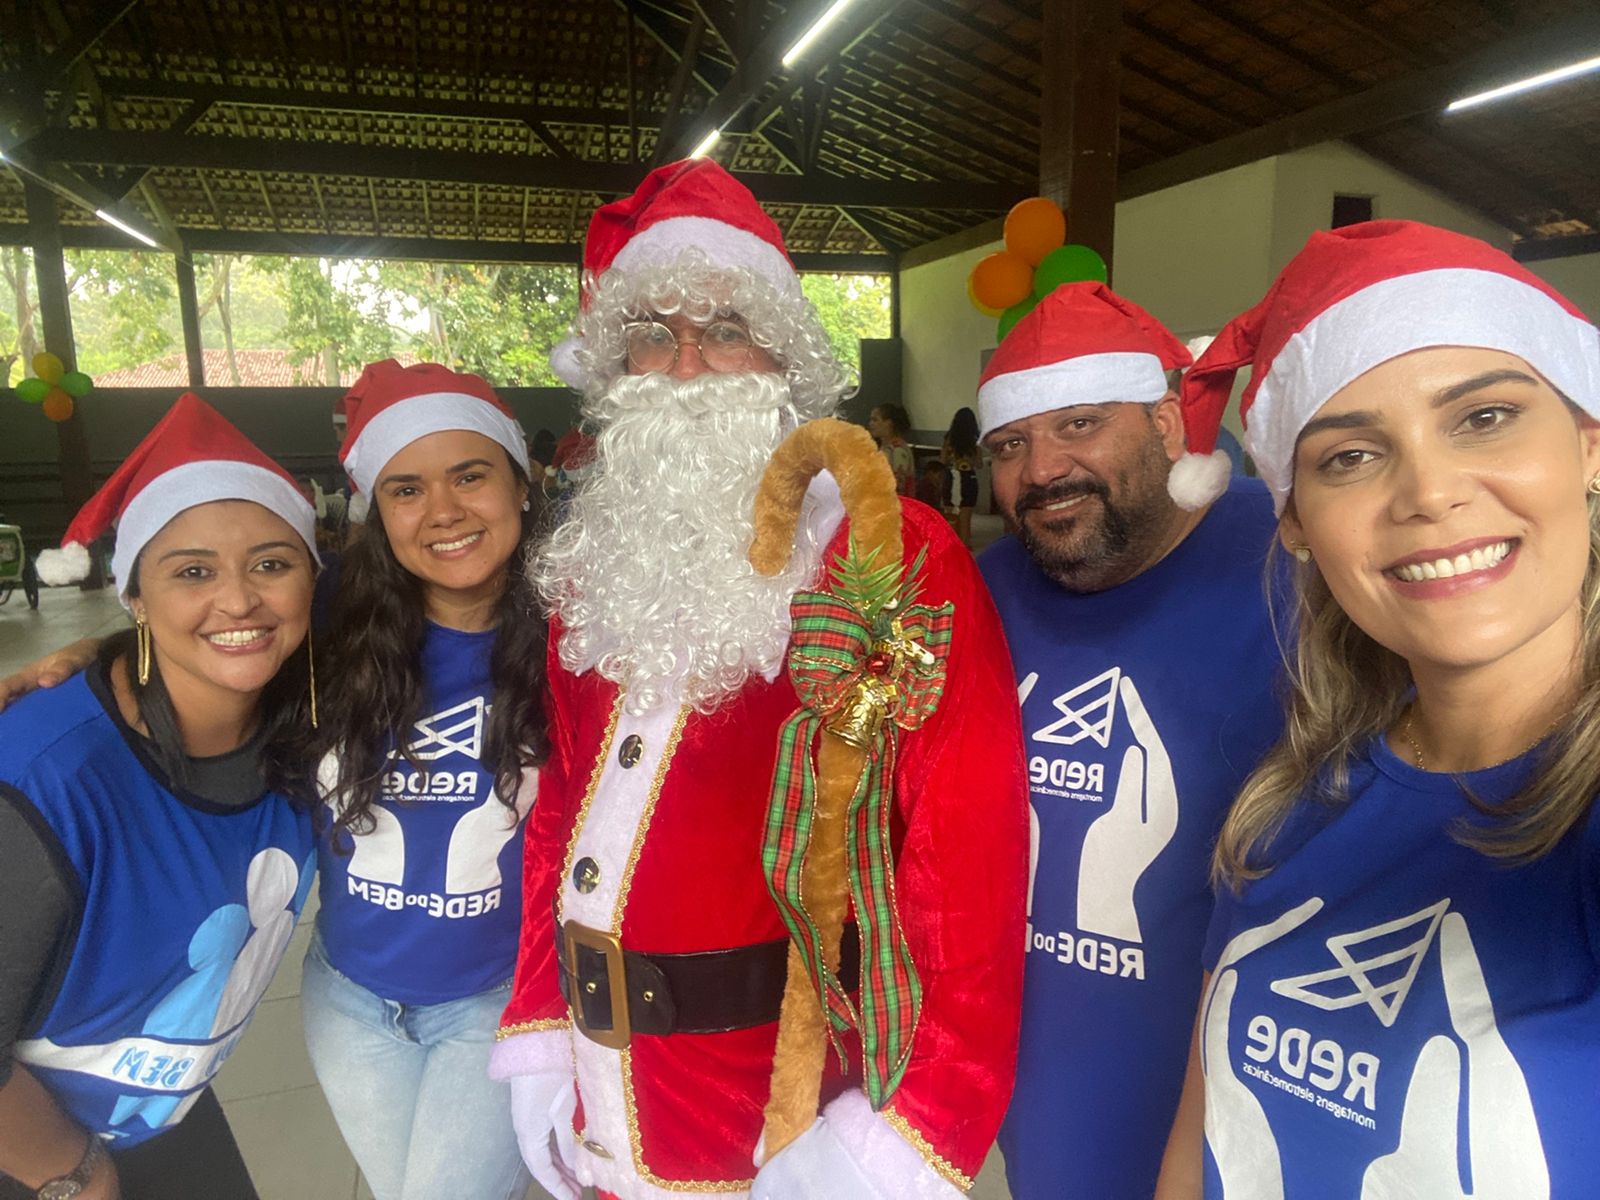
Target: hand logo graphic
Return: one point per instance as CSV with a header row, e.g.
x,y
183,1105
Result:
x,y
1505,1150
1122,843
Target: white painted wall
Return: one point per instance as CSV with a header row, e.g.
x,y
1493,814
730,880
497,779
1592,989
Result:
x,y
1194,255
1577,278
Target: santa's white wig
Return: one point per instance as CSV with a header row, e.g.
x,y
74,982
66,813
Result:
x,y
780,321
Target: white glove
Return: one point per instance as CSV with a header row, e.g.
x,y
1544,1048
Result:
x,y
815,1166
542,1106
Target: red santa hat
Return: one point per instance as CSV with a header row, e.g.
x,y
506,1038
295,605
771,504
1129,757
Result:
x,y
1081,344
193,456
392,406
1351,300
688,205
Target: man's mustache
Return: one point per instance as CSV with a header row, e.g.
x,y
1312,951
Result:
x,y
1035,496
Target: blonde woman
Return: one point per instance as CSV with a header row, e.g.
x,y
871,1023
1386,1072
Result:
x,y
1403,995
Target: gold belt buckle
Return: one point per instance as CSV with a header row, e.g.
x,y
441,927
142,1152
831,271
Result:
x,y
573,936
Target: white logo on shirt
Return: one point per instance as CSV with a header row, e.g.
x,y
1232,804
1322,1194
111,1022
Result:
x,y
456,730
1383,979
1124,840
1504,1152
1086,712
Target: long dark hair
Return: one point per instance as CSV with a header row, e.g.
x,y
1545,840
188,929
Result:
x,y
373,695
284,708
963,434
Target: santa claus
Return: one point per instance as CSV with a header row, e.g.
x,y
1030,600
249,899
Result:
x,y
640,1039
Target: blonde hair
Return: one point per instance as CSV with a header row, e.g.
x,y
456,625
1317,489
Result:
x,y
1345,689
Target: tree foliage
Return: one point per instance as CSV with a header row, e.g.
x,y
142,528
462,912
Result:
x,y
332,316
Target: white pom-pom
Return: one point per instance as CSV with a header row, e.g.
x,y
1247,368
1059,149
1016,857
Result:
x,y
356,511
70,564
1198,479
1199,345
564,362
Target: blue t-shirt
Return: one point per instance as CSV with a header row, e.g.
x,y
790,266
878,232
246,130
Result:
x,y
1144,707
186,910
425,907
1393,1014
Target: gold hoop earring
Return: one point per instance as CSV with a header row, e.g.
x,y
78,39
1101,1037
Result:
x,y
145,652
311,666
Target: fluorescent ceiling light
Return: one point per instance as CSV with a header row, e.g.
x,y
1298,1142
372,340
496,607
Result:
x,y
1525,85
704,148
127,229
812,34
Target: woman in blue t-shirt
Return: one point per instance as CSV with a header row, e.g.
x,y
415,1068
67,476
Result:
x,y
1403,995
152,864
431,726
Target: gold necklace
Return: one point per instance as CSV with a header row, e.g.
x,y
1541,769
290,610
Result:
x,y
1406,734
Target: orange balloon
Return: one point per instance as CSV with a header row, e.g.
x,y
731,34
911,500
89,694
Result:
x,y
979,304
1000,280
58,405
1034,227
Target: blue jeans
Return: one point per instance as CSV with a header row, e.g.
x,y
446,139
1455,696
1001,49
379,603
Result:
x,y
409,1086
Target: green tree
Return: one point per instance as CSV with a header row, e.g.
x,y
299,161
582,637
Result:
x,y
19,337
851,307
336,314
124,307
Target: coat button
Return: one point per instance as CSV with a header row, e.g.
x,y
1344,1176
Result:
x,y
586,875
632,750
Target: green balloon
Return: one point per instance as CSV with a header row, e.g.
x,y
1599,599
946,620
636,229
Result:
x,y
1067,264
76,384
33,390
1009,318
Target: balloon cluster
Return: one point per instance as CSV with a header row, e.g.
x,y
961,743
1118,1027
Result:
x,y
1034,263
53,386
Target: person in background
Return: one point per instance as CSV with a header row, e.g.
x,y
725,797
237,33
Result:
x,y
1145,663
961,457
428,746
1402,996
889,423
155,842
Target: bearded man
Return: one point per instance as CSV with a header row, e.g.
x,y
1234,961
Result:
x,y
646,897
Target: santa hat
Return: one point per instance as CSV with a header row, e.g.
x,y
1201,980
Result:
x,y
392,406
688,205
573,457
1351,300
1081,344
193,456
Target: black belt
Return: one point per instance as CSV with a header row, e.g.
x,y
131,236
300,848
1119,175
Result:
x,y
616,993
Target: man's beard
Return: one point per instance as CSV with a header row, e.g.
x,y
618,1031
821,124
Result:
x,y
648,573
1102,542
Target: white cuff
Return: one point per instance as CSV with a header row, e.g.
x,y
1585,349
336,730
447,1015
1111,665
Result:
x,y
536,1052
852,1153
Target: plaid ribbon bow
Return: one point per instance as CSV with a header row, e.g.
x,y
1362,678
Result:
x,y
866,664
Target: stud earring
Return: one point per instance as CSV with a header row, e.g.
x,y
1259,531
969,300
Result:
x,y
1301,551
145,654
527,505
1594,485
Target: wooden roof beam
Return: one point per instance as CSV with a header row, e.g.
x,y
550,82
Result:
x,y
1425,91
122,148
763,68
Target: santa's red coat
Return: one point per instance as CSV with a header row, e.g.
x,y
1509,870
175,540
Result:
x,y
677,838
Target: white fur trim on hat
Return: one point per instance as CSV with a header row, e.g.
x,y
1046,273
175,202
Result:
x,y
404,421
195,483
1447,307
564,362
723,244
70,564
1122,377
1197,479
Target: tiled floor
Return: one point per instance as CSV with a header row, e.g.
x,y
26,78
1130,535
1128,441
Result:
x,y
267,1088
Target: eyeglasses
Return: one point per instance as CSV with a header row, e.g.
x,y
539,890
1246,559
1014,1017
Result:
x,y
723,346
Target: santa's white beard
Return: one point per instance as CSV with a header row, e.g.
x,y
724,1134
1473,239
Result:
x,y
648,573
